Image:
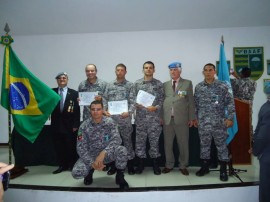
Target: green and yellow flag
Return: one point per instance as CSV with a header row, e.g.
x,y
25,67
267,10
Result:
x,y
28,99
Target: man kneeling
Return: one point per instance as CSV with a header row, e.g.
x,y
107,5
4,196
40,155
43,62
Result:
x,y
99,143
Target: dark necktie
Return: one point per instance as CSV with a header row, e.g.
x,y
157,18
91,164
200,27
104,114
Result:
x,y
62,99
173,86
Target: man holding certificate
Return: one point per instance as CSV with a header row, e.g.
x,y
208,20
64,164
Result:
x,y
119,103
150,95
90,89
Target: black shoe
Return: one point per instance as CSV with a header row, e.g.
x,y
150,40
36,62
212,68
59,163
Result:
x,y
120,180
112,169
157,171
59,170
203,171
131,170
223,177
156,168
139,169
223,171
89,178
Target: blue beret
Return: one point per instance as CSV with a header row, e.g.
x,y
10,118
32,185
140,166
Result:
x,y
174,65
60,74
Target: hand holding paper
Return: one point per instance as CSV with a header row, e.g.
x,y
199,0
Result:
x,y
87,97
145,99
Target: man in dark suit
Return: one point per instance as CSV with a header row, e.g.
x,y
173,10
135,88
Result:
x,y
178,116
261,147
65,121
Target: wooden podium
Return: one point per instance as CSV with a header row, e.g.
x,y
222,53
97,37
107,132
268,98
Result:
x,y
240,144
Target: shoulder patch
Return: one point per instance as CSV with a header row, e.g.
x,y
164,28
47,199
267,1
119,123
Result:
x,y
79,136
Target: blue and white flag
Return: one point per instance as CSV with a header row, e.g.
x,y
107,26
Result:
x,y
223,75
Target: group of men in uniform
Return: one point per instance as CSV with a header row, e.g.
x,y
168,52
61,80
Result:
x,y
106,139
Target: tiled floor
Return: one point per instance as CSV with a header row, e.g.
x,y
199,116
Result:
x,y
42,176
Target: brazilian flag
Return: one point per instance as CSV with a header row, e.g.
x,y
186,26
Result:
x,y
28,99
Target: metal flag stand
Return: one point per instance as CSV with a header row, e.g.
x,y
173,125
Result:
x,y
17,170
233,171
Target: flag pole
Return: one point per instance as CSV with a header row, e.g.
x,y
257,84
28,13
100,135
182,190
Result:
x,y
232,171
7,40
9,139
7,30
17,170
222,39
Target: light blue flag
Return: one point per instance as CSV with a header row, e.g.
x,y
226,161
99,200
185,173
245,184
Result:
x,y
223,75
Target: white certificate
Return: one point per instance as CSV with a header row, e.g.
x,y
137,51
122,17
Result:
x,y
87,97
145,99
117,107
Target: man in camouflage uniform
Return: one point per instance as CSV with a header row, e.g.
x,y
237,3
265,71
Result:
x,y
98,143
211,98
91,84
119,90
244,87
147,119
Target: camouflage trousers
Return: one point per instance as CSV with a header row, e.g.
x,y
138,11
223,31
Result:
x,y
126,135
151,130
119,155
219,134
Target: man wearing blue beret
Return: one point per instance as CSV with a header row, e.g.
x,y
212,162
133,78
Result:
x,y
178,116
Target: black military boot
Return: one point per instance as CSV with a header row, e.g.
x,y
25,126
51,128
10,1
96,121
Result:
x,y
223,171
112,169
204,169
156,168
213,163
130,167
140,167
89,178
120,180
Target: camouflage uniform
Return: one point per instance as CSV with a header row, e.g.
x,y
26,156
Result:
x,y
148,123
116,91
86,86
211,100
244,89
94,138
